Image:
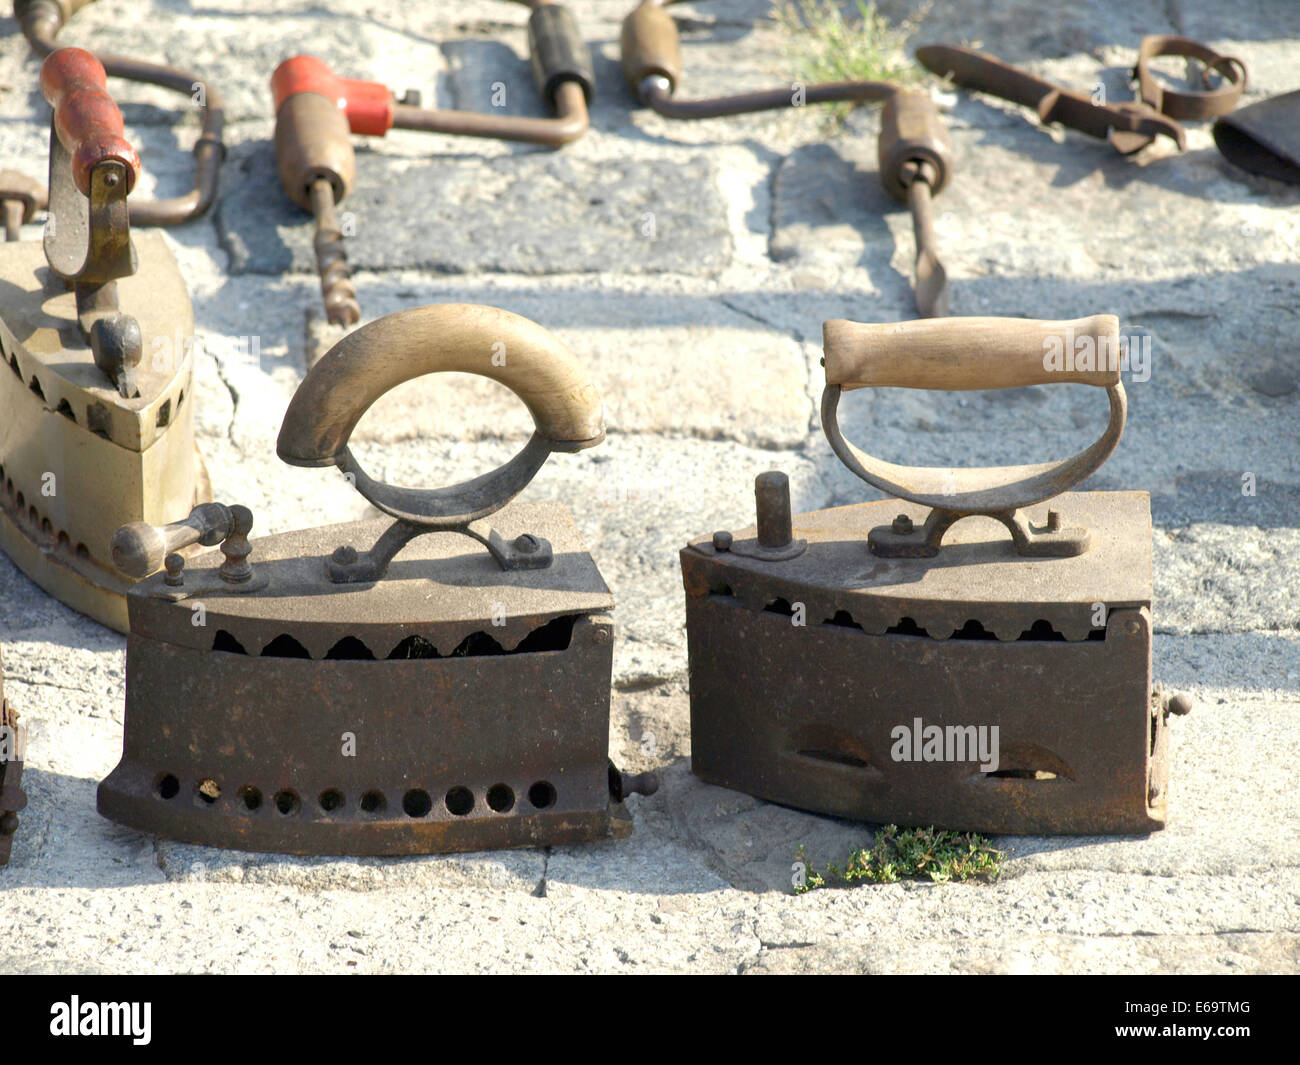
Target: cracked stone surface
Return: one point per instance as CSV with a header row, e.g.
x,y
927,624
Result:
x,y
705,343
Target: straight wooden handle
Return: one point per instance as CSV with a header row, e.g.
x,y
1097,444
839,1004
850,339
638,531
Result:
x,y
87,121
970,353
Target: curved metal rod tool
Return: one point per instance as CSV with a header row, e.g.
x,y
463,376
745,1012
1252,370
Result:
x,y
974,353
41,21
652,64
1129,125
317,111
916,158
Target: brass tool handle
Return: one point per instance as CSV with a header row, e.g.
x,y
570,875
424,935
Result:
x,y
448,337
87,121
139,549
969,353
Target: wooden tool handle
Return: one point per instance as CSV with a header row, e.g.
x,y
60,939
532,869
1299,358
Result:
x,y
86,119
970,353
139,549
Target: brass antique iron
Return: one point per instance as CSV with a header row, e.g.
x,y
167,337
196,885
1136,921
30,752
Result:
x,y
316,111
13,744
915,150
1129,125
96,387
336,699
41,21
830,651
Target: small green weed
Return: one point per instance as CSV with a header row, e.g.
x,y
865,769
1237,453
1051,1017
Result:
x,y
914,853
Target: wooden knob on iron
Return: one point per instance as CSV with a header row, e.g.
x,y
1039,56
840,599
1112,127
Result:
x,y
139,549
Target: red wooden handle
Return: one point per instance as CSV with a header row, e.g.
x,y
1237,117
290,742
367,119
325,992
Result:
x,y
368,105
86,119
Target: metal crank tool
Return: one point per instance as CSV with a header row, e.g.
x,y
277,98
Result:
x,y
13,742
342,698
316,111
98,425
41,21
891,662
915,150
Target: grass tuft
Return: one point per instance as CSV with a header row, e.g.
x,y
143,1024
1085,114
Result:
x,y
913,853
825,45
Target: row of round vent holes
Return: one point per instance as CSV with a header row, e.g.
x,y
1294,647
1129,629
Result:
x,y
41,525
415,803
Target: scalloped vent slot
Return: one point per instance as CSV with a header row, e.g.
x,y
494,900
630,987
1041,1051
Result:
x,y
844,620
284,646
779,606
223,641
555,635
35,386
906,627
350,649
164,415
723,590
98,420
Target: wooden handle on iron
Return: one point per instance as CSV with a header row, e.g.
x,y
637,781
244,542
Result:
x,y
970,353
139,549
462,337
86,119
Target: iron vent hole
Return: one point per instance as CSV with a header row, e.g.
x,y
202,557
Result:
x,y
373,802
223,641
164,415
65,408
837,757
251,797
542,795
460,801
167,786
331,799
352,649
35,386
98,420
208,791
417,803
1022,774
1029,762
287,802
501,798
284,646
906,627
779,606
722,590
843,619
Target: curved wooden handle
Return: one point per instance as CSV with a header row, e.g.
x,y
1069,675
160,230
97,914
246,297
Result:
x,y
462,337
969,353
87,121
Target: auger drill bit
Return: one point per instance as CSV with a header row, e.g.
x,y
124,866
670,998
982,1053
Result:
x,y
916,156
336,286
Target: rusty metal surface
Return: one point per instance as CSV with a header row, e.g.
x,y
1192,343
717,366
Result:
x,y
1264,138
803,714
1129,126
13,741
478,699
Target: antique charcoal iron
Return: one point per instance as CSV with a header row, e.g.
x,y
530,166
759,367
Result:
x,y
325,697
13,742
96,406
889,662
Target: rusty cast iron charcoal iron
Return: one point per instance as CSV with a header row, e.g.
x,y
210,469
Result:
x,y
97,428
13,741
819,643
368,688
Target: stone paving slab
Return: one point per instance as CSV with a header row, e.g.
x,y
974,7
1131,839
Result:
x,y
705,345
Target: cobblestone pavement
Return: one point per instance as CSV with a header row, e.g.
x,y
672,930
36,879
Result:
x,y
704,340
